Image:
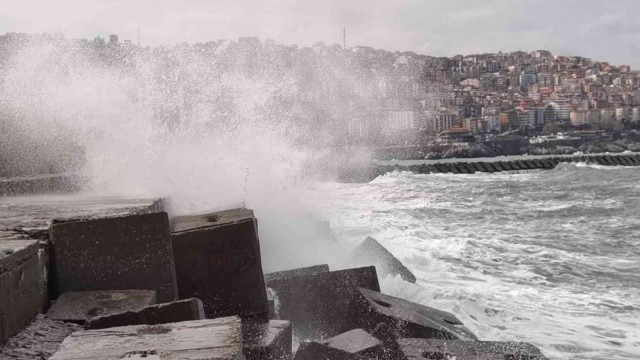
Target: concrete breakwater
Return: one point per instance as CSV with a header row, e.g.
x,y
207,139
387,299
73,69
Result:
x,y
145,285
365,173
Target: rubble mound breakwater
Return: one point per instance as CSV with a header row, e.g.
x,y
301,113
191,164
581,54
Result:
x,y
365,173
112,278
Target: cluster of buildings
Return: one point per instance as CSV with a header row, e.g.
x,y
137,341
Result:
x,y
531,93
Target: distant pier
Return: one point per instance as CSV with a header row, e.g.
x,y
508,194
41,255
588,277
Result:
x,y
368,172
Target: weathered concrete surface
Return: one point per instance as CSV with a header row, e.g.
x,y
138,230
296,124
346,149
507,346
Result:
x,y
116,253
266,340
78,307
218,260
468,350
311,270
194,340
317,304
358,342
177,311
30,216
39,340
316,351
370,308
371,252
22,285
40,184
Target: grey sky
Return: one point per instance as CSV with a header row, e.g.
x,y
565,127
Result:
x,y
603,30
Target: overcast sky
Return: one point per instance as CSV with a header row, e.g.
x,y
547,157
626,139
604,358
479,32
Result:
x,y
604,30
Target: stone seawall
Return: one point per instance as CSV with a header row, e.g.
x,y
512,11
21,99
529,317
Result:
x,y
367,173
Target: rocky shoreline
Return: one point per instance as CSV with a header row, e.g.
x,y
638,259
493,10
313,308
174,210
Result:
x,y
143,285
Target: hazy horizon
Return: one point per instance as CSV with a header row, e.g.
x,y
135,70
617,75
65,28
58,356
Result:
x,y
436,28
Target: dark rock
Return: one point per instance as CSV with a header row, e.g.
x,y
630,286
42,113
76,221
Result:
x,y
386,334
177,311
78,307
317,304
311,270
217,260
119,253
370,308
468,350
357,342
22,285
196,340
371,252
266,340
316,351
40,338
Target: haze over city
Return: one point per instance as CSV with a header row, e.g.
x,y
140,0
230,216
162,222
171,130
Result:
x,y
437,27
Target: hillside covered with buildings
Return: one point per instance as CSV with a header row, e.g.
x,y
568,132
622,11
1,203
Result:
x,y
401,104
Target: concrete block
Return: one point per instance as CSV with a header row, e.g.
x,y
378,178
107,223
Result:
x,y
78,307
515,165
470,168
177,311
462,168
266,340
22,285
357,342
498,166
119,253
371,252
316,351
490,168
370,308
538,164
530,164
311,270
218,260
318,304
194,340
467,350
39,340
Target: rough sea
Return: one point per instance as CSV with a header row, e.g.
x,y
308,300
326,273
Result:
x,y
546,257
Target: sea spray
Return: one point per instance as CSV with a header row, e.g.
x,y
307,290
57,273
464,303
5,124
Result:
x,y
171,122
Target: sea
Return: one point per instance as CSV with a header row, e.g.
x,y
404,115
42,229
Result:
x,y
549,257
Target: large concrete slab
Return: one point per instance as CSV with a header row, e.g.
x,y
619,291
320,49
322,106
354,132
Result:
x,y
78,307
22,285
217,258
370,308
318,304
31,216
467,350
115,253
177,311
269,340
219,339
39,340
359,342
310,270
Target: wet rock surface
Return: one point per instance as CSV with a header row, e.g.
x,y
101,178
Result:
x,y
38,341
317,304
358,342
177,311
218,260
369,308
117,253
310,270
78,307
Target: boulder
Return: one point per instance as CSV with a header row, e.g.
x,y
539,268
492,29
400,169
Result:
x,y
269,340
370,308
78,307
217,258
117,253
177,311
311,270
219,339
22,285
318,304
467,350
371,252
